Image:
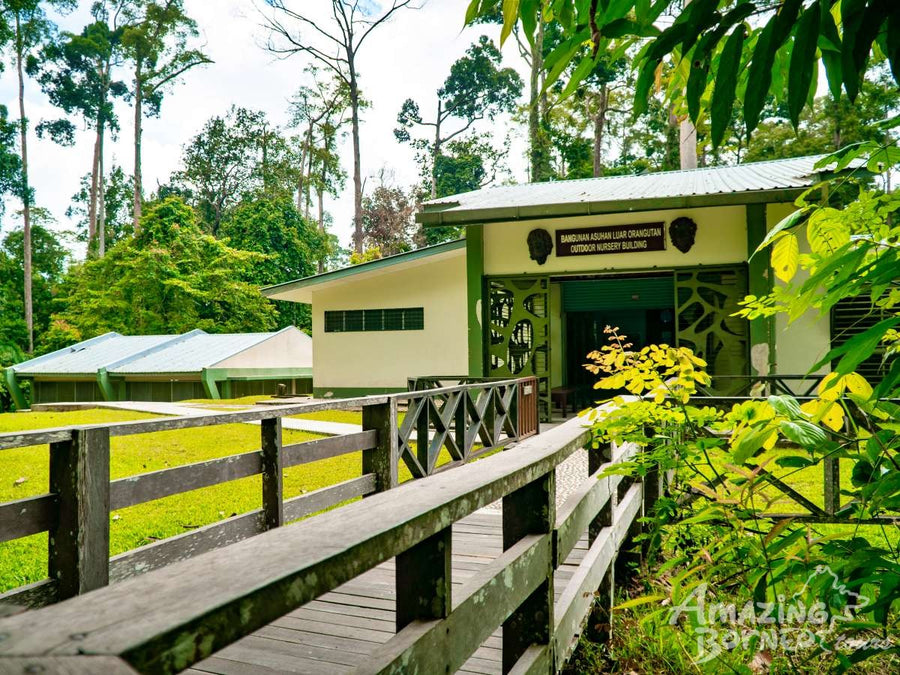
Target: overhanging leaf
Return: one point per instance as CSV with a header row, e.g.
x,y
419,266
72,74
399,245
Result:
x,y
786,256
726,82
802,60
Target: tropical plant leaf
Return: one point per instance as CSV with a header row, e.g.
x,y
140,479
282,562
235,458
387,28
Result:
x,y
726,83
786,256
803,56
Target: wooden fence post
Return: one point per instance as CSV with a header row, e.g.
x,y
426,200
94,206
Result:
x,y
653,485
423,579
272,473
78,550
530,510
382,461
832,478
598,628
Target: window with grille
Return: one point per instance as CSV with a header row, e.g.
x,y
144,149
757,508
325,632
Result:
x,y
852,316
359,320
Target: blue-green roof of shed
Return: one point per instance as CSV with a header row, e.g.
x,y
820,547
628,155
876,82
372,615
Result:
x,y
144,354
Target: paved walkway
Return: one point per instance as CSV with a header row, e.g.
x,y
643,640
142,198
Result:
x,y
182,409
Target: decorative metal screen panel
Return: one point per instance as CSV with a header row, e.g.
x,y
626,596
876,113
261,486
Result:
x,y
705,300
518,328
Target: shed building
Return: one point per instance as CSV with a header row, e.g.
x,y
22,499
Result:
x,y
114,367
543,268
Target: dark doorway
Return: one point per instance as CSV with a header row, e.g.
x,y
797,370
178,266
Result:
x,y
641,307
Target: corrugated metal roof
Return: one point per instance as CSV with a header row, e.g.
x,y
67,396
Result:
x,y
783,174
145,354
85,358
193,354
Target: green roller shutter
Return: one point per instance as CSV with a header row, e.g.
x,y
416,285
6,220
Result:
x,y
623,293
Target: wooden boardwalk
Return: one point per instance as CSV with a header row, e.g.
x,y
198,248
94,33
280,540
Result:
x,y
336,632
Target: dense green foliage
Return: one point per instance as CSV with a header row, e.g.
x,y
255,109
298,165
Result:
x,y
170,278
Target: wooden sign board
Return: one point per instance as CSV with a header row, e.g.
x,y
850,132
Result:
x,y
615,239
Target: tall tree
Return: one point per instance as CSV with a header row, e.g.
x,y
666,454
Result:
x,y
78,78
116,205
28,28
476,89
336,45
233,156
157,41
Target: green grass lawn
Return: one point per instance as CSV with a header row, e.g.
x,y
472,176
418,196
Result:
x,y
24,561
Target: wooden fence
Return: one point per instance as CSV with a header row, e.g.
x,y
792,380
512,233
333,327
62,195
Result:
x,y
170,618
467,420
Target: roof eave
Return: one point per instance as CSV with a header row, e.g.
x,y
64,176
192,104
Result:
x,y
457,216
290,286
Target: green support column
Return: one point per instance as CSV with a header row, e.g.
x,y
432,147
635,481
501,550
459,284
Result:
x,y
474,300
762,335
209,384
106,387
17,396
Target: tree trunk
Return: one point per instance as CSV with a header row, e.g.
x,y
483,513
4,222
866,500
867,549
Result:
x,y
599,128
436,151
101,203
138,129
320,192
92,196
687,145
304,154
26,195
671,157
534,113
357,164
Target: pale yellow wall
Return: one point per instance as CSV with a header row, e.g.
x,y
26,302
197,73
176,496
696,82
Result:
x,y
721,239
386,359
287,349
804,341
556,336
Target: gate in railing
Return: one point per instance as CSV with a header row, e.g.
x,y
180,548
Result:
x,y
170,618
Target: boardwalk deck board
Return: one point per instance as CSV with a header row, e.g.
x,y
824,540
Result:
x,y
336,632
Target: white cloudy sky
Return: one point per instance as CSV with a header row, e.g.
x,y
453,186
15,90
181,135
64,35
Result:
x,y
408,57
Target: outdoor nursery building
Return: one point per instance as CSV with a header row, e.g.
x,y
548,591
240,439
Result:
x,y
543,268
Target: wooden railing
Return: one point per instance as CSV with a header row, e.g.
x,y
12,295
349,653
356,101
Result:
x,y
526,400
168,619
76,510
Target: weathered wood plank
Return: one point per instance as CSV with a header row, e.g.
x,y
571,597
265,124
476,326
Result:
x,y
78,553
229,531
382,459
64,665
423,578
272,474
325,448
28,516
33,596
487,600
23,439
534,661
572,606
579,510
317,500
146,487
530,510
259,580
